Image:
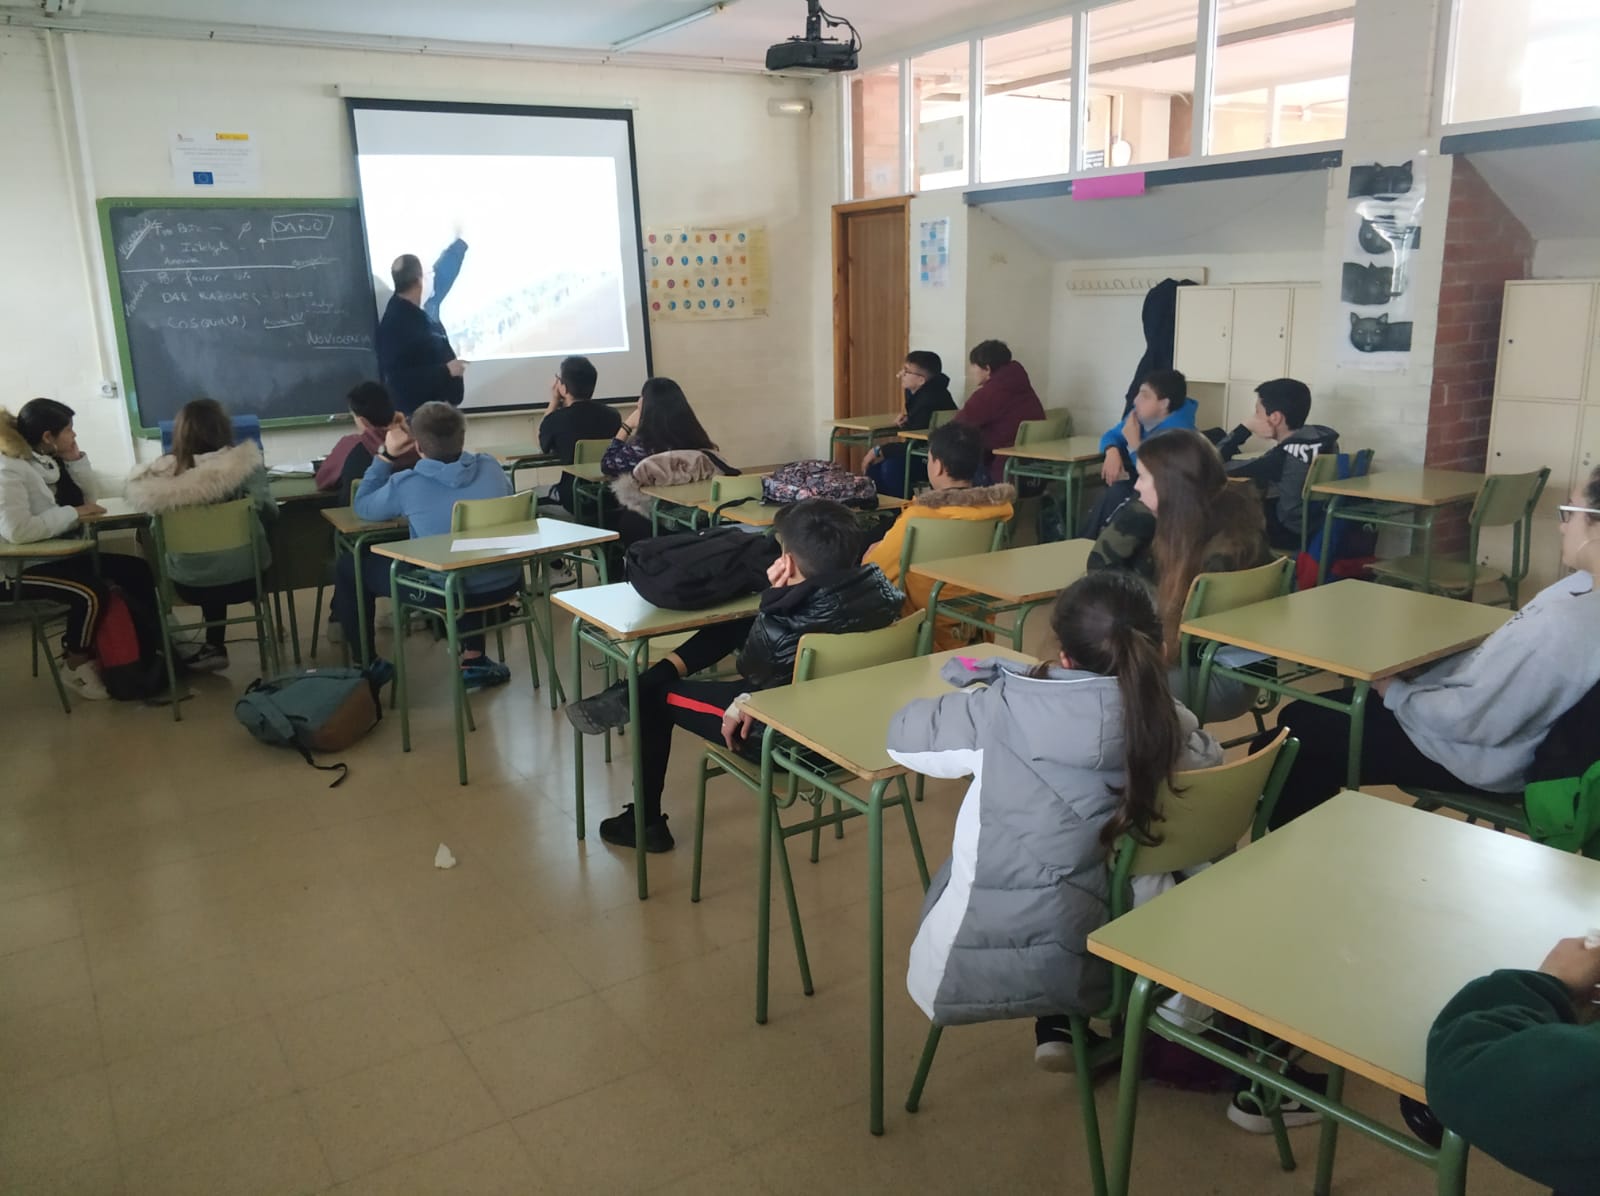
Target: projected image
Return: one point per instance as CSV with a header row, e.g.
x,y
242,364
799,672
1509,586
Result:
x,y
523,254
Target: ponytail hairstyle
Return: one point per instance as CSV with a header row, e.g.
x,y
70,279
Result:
x,y
1107,623
202,427
1200,515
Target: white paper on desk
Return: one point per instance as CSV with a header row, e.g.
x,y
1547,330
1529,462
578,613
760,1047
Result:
x,y
496,543
293,469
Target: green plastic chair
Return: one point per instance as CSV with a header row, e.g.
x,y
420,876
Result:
x,y
919,448
1214,593
38,615
934,539
589,452
1210,812
1506,500
1056,425
1324,468
217,528
818,656
732,491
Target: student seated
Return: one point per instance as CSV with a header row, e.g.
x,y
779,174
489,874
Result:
x,y
1067,757
1474,720
574,416
1188,519
1161,404
46,485
347,461
1282,407
204,468
927,389
663,422
425,496
816,586
954,453
1002,400
1514,1067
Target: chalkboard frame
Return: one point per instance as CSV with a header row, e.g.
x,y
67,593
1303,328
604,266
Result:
x,y
108,204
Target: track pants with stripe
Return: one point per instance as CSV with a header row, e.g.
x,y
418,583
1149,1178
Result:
x,y
73,583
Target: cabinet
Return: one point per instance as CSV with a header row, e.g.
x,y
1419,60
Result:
x,y
1260,333
1305,321
1203,331
1544,340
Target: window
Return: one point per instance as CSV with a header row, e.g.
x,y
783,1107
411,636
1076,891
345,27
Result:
x,y
1141,82
875,133
1282,74
1517,57
939,89
1027,103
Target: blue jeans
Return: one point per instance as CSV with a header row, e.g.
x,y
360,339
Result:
x,y
375,582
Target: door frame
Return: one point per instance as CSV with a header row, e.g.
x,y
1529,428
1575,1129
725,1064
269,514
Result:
x,y
841,300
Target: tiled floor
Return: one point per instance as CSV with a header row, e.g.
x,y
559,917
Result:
x,y
218,976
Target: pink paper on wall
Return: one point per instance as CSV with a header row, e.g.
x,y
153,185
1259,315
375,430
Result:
x,y
1109,186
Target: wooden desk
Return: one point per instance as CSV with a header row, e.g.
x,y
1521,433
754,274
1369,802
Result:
x,y
1353,629
513,457
619,624
43,550
299,488
763,514
436,555
1380,913
1368,499
997,583
352,534
589,483
831,718
1049,461
117,511
862,431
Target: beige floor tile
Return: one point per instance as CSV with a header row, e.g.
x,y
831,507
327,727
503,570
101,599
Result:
x,y
736,1177
322,957
544,1057
521,976
45,975
80,1177
491,1162
265,1151
198,1079
108,852
32,872
140,952
455,922
49,1041
401,1108
122,898
641,937
335,1035
21,833
183,1003
413,829
668,1136
34,921
52,1126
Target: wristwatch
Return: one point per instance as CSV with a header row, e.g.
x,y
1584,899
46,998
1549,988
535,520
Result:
x,y
384,453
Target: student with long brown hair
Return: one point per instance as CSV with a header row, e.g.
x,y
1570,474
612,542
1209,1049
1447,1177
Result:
x,y
1066,757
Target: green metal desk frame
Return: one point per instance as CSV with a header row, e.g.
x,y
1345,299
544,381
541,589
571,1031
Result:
x,y
1379,514
858,437
1068,473
355,544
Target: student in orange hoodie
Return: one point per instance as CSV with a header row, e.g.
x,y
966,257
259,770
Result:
x,y
955,454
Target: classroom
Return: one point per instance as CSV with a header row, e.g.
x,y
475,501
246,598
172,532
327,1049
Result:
x,y
1105,494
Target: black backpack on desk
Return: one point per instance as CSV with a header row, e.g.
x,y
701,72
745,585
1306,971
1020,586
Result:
x,y
698,570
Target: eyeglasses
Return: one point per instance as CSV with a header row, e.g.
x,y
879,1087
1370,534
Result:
x,y
1565,514
907,372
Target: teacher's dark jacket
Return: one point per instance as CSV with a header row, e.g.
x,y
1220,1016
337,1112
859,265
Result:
x,y
412,351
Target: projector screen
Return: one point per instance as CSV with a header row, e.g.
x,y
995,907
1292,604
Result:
x,y
527,224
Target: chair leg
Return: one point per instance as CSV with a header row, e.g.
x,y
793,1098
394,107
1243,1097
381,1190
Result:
x,y
924,1065
799,935
294,631
316,620
1084,1078
164,613
1330,1135
40,640
911,830
699,826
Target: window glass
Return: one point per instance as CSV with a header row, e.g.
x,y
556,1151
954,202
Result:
x,y
1281,76
939,87
1141,82
1027,103
1518,57
875,133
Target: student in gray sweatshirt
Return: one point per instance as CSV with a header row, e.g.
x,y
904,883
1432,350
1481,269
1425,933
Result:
x,y
1474,720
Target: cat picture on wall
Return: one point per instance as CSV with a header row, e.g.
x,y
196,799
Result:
x,y
1375,334
1367,286
1384,234
1380,181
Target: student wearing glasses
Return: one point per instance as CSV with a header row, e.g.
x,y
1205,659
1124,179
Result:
x,y
1471,721
927,390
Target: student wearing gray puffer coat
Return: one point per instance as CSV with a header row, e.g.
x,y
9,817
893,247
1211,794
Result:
x,y
1064,759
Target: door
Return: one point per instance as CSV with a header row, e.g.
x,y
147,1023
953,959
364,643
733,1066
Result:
x,y
1200,346
1305,326
1260,333
871,305
1544,338
1524,437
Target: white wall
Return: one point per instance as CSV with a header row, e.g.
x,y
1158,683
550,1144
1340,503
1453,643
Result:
x,y
1567,257
708,152
1008,297
939,314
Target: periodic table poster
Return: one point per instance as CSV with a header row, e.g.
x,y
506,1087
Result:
x,y
694,274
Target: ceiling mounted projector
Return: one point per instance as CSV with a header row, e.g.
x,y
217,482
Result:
x,y
814,53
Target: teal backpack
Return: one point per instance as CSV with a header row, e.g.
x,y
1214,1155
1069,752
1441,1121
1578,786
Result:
x,y
318,710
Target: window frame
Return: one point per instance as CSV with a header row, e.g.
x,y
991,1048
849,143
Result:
x,y
1447,36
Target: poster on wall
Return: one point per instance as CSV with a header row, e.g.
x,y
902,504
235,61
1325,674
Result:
x,y
714,273
215,161
1383,230
933,253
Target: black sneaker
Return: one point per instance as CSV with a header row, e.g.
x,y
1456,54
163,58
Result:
x,y
618,832
606,711
1052,1037
1420,1121
1245,1111
208,658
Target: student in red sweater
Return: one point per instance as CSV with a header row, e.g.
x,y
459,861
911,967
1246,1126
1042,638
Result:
x,y
1003,398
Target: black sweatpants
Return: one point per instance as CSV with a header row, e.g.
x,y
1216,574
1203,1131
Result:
x,y
1388,757
214,602
667,701
73,583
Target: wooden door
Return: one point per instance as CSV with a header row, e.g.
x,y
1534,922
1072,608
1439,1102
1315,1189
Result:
x,y
871,304
1260,333
1544,338
1200,343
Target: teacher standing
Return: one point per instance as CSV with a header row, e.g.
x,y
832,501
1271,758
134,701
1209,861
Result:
x,y
415,358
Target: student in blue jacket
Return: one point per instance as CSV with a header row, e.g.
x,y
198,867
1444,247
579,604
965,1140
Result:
x,y
1163,402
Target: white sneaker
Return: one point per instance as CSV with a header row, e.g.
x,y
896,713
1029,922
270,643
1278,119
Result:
x,y
335,632
84,682
383,620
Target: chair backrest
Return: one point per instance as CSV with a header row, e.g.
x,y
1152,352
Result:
x,y
941,417
1213,593
940,539
1508,498
471,514
220,527
1361,463
826,654
1056,425
725,489
589,452
1324,468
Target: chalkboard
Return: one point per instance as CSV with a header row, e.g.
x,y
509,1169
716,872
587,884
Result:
x,y
264,305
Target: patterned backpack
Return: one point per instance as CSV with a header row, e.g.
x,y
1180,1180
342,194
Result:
x,y
818,479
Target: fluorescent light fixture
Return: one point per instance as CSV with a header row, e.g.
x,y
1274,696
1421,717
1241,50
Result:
x,y
795,106
709,10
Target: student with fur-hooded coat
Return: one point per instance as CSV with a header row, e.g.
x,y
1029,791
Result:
x,y
204,468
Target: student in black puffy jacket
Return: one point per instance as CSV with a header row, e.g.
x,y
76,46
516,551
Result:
x,y
817,585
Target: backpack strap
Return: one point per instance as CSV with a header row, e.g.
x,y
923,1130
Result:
x,y
340,767
726,469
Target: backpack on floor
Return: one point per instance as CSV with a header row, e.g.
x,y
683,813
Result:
x,y
318,710
697,570
818,479
127,645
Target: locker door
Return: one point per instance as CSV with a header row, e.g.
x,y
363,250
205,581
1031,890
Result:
x,y
1260,333
1305,327
1205,323
1544,340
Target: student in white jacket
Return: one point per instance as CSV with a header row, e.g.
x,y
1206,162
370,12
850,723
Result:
x,y
45,486
1474,720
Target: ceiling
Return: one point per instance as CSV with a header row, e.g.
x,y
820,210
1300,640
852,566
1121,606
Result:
x,y
1264,214
1550,188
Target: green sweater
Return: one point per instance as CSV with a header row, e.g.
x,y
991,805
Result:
x,y
1511,1071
